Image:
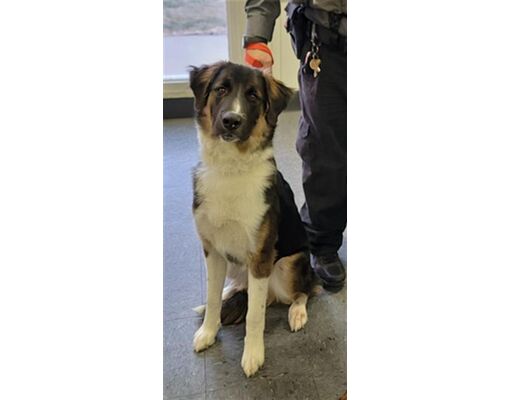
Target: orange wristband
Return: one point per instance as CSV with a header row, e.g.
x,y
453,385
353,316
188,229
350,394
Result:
x,y
256,46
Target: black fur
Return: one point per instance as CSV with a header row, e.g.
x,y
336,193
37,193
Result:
x,y
230,258
197,200
234,309
201,79
277,98
306,278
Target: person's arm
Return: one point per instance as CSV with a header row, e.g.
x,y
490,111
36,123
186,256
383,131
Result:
x,y
260,19
261,16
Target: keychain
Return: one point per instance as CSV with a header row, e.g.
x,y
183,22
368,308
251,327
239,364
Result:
x,y
315,61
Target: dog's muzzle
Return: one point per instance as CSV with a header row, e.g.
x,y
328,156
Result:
x,y
231,122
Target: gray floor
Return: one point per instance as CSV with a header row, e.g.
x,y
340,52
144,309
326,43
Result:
x,y
310,364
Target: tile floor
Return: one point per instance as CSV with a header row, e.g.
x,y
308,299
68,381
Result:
x,y
310,364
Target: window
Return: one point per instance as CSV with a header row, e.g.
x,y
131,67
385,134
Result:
x,y
194,33
197,32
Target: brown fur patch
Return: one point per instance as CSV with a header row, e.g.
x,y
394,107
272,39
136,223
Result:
x,y
261,262
297,275
278,96
204,119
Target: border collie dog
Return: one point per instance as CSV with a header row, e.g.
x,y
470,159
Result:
x,y
244,210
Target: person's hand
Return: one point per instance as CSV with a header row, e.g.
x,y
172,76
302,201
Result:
x,y
258,55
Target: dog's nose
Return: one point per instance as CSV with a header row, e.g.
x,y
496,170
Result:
x,y
231,120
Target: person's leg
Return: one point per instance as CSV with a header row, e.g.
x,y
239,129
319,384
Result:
x,y
322,145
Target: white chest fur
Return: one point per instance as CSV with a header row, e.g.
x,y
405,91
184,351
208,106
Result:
x,y
233,203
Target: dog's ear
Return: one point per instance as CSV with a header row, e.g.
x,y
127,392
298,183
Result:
x,y
278,95
200,80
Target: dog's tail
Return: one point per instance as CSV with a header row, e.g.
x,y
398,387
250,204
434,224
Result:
x,y
233,309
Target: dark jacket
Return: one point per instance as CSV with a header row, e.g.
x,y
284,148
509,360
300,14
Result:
x,y
262,14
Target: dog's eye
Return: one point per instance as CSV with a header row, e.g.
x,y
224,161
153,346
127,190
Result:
x,y
252,95
221,91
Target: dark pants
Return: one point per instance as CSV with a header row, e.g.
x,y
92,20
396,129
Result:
x,y
322,145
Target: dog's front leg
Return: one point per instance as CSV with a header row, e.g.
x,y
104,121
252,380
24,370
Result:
x,y
253,355
216,271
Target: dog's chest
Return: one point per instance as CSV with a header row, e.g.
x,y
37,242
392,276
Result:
x,y
232,208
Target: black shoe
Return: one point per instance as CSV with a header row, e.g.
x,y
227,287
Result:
x,y
330,269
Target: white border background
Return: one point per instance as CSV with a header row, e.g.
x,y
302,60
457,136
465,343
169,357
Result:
x,y
81,203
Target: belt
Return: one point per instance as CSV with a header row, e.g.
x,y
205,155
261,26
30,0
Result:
x,y
337,22
328,37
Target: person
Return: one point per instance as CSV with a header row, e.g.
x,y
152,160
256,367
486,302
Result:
x,y
318,30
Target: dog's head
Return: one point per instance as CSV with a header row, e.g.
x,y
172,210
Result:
x,y
238,104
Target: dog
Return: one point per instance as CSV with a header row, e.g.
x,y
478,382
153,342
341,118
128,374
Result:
x,y
243,209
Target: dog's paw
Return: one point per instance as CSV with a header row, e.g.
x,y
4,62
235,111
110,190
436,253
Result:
x,y
253,357
297,316
204,338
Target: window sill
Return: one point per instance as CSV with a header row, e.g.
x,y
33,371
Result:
x,y
176,89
